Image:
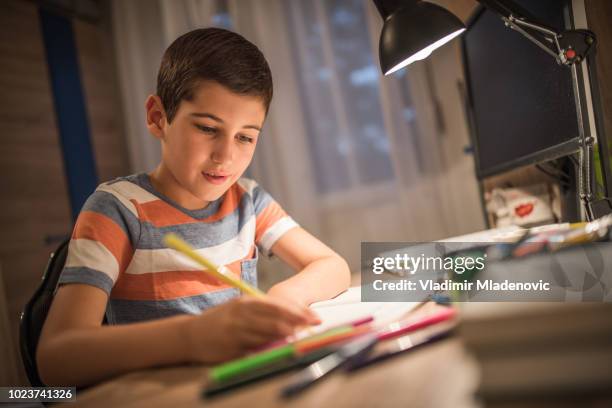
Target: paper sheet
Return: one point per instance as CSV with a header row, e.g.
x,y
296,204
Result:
x,y
347,307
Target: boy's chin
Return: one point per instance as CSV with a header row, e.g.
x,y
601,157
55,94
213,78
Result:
x,y
211,195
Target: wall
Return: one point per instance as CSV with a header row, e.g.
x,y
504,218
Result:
x,y
34,207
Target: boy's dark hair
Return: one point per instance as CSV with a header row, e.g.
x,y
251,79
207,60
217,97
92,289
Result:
x,y
212,54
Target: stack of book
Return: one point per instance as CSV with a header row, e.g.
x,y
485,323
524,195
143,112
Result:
x,y
535,351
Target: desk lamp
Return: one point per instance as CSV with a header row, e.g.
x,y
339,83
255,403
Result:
x,y
413,29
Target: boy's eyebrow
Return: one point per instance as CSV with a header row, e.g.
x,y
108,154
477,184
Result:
x,y
218,119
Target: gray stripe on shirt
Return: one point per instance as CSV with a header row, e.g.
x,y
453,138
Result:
x,y
261,199
131,311
200,234
81,274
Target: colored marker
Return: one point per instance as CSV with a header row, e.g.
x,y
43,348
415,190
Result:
x,y
214,388
244,365
410,325
314,372
358,349
298,337
355,364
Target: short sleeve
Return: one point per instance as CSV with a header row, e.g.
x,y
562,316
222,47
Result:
x,y
271,221
102,242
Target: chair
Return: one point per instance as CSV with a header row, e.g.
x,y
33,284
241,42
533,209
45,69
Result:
x,y
35,312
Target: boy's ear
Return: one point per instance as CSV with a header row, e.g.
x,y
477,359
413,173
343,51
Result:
x,y
156,116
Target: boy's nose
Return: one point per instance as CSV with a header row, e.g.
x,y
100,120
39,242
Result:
x,y
223,151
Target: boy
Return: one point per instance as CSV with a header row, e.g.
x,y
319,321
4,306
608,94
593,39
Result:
x,y
213,93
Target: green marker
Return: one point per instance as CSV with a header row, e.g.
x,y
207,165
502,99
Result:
x,y
244,365
233,368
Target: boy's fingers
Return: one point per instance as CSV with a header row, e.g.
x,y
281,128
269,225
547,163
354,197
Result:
x,y
272,327
313,316
306,315
289,313
249,339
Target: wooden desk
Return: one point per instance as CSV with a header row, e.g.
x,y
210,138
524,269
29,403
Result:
x,y
439,375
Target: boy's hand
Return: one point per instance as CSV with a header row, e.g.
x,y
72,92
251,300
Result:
x,y
228,330
286,299
282,294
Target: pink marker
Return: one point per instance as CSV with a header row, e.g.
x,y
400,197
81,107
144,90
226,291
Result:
x,y
289,339
410,325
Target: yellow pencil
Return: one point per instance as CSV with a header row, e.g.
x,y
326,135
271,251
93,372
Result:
x,y
173,241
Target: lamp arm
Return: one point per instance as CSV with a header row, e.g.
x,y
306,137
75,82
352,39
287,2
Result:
x,y
517,24
567,47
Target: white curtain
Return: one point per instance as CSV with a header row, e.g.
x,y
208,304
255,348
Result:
x,y
139,45
432,191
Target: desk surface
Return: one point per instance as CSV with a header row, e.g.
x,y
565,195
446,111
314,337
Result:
x,y
439,375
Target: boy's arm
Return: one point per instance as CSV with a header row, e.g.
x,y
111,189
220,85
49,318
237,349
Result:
x,y
76,350
322,273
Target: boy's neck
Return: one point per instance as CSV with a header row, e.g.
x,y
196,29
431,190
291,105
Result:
x,y
165,183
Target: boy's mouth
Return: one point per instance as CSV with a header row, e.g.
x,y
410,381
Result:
x,y
215,178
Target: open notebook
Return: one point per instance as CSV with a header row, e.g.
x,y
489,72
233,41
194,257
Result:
x,y
347,307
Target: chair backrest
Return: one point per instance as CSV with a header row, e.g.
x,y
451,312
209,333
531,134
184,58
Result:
x,y
35,312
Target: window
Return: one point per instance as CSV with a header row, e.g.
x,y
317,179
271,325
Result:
x,y
339,81
221,17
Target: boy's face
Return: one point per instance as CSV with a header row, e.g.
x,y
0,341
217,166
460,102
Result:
x,y
208,145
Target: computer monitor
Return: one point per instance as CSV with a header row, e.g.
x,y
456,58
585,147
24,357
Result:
x,y
521,101
523,107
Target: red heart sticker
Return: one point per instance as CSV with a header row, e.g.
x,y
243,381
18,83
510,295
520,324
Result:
x,y
523,210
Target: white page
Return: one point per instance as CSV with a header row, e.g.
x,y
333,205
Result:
x,y
347,308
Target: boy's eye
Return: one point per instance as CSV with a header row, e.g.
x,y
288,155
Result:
x,y
206,129
245,139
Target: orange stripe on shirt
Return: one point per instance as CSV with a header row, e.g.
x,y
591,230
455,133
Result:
x,y
98,227
169,285
161,214
267,218
231,201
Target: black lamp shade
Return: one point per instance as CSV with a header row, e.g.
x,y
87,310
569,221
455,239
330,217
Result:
x,y
413,31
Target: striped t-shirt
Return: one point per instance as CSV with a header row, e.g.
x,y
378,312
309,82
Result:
x,y
117,246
